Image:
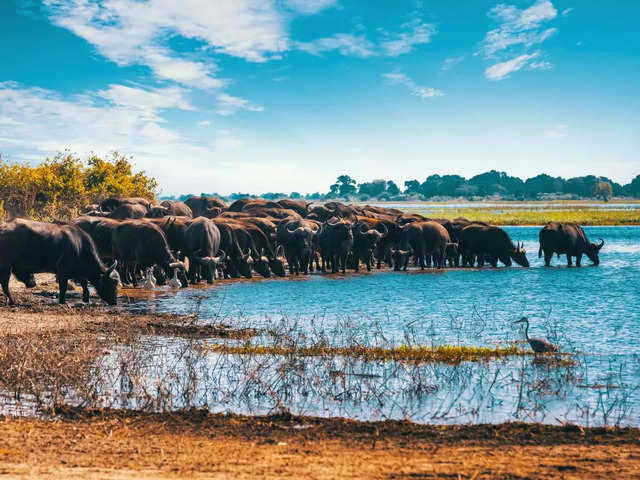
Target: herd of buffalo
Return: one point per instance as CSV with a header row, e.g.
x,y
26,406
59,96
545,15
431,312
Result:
x,y
203,237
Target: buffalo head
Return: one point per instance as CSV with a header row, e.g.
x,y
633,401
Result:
x,y
519,255
107,284
276,264
592,250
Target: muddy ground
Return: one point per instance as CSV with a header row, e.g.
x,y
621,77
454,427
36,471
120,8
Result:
x,y
111,444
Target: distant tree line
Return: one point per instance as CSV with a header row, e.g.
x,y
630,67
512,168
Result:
x,y
488,185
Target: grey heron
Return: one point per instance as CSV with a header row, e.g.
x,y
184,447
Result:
x,y
538,345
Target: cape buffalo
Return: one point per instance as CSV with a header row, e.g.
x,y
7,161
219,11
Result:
x,y
296,236
200,205
336,241
567,239
177,209
33,247
142,244
366,236
111,203
202,239
490,242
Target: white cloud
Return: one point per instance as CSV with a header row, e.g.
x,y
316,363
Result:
x,y
567,11
418,33
228,105
518,27
43,122
559,131
132,32
451,62
396,78
502,70
345,43
204,123
541,65
308,7
414,33
148,100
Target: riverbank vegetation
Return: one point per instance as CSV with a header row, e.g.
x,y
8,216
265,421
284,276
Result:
x,y
60,186
516,215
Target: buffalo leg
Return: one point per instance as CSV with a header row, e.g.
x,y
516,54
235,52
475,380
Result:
x,y
62,286
569,263
5,275
85,290
547,257
578,259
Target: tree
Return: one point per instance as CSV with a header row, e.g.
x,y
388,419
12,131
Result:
x,y
392,188
633,188
603,190
411,187
372,189
345,186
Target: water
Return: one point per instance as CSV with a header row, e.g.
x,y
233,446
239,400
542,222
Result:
x,y
592,313
594,309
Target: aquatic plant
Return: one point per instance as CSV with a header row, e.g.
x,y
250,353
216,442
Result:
x,y
449,354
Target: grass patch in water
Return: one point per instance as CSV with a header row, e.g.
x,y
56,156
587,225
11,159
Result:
x,y
449,354
537,216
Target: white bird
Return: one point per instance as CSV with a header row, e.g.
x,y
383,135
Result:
x,y
149,281
538,345
174,282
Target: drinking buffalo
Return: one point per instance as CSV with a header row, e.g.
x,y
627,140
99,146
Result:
x,y
142,244
202,240
490,242
366,236
32,247
567,239
238,244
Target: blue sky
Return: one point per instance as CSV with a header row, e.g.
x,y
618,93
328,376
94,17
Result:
x,y
284,95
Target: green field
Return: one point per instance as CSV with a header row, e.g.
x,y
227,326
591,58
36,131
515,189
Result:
x,y
518,214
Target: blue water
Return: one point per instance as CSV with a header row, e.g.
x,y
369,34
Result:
x,y
591,309
592,313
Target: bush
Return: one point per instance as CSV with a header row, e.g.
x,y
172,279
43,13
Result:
x,y
59,187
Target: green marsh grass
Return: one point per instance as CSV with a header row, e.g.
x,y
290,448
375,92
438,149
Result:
x,y
447,354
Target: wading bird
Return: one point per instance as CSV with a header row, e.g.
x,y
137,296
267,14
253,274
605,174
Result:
x,y
149,282
174,282
538,345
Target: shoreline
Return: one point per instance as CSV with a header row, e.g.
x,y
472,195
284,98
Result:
x,y
203,445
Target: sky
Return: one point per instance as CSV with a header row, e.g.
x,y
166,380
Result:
x,y
285,95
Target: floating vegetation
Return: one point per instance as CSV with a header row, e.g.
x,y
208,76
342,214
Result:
x,y
448,354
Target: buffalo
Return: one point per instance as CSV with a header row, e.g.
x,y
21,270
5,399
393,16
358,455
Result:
x,y
202,239
140,244
492,243
336,241
567,239
64,249
200,205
